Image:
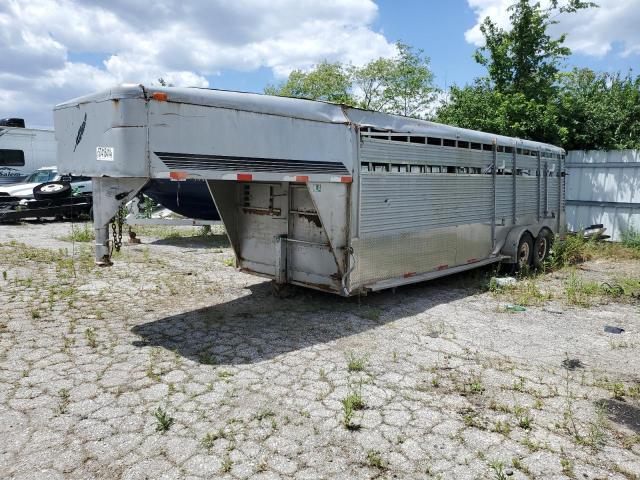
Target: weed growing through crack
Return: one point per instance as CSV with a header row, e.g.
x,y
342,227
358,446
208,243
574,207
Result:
x,y
355,363
262,414
498,470
476,386
525,422
350,405
374,459
226,464
210,438
519,385
206,358
163,420
567,467
501,427
618,391
522,416
64,395
530,444
153,357
90,335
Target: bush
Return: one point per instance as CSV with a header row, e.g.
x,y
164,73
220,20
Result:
x,y
573,249
631,239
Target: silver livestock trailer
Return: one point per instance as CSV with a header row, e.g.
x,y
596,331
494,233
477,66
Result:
x,y
321,195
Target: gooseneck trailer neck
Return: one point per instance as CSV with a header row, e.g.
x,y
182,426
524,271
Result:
x,y
318,194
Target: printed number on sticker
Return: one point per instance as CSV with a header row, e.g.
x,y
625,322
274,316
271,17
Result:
x,y
104,154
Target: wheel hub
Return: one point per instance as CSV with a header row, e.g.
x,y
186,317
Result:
x,y
55,187
542,248
523,254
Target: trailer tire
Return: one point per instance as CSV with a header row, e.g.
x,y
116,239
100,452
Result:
x,y
524,252
542,247
52,190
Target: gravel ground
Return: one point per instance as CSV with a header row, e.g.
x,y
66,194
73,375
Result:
x,y
171,364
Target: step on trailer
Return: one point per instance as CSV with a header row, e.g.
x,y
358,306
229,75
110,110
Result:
x,y
317,194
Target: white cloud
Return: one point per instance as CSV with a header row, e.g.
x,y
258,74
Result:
x,y
592,32
181,41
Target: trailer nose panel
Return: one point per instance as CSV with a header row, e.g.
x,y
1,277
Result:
x,y
277,230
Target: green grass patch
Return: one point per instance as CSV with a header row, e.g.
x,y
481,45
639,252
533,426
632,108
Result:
x,y
585,293
84,233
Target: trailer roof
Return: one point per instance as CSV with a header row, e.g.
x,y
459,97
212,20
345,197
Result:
x,y
303,109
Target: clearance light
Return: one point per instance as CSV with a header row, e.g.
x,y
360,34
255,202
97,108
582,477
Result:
x,y
160,96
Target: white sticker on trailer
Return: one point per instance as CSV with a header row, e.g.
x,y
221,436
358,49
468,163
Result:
x,y
104,154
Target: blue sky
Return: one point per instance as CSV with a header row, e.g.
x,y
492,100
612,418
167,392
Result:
x,y
55,50
438,27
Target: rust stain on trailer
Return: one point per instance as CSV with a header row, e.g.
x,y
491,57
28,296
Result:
x,y
262,211
319,286
312,218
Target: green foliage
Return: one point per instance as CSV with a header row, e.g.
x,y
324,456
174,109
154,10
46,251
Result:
x,y
524,59
573,249
375,460
402,85
81,234
599,110
355,363
482,107
326,81
498,470
372,80
408,88
147,206
526,95
163,420
631,238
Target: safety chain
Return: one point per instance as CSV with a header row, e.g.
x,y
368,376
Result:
x,y
116,229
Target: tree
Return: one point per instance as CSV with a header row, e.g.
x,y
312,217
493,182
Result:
x,y
525,59
482,107
372,80
402,85
519,95
326,81
600,110
409,88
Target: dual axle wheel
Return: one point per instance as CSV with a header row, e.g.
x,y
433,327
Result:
x,y
534,252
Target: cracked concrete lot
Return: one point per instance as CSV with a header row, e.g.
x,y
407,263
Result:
x,y
171,364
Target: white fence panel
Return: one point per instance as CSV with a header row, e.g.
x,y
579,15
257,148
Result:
x,y
603,187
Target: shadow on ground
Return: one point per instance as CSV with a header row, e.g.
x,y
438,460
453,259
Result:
x,y
622,413
260,326
196,241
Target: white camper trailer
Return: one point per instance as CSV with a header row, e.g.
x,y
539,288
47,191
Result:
x,y
24,150
322,195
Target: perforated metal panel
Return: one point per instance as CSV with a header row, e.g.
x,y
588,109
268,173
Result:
x,y
398,254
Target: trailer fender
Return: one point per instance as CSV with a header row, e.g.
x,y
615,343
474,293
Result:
x,y
513,239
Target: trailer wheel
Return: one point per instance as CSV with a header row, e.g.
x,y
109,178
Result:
x,y
542,248
51,190
525,251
